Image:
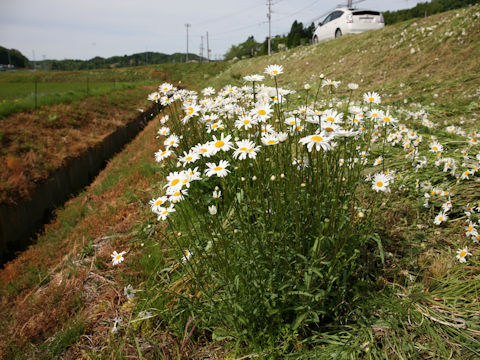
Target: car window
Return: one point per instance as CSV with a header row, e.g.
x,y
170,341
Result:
x,y
336,15
327,19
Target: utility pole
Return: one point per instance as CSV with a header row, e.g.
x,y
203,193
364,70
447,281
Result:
x,y
269,17
208,49
201,49
187,26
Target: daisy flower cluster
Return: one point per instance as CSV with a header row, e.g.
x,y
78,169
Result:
x,y
251,174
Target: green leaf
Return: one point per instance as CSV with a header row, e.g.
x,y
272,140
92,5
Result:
x,y
299,320
377,239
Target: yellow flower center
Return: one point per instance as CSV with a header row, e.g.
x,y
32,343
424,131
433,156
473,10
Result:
x,y
386,119
374,114
175,182
203,150
118,257
328,129
219,144
158,202
176,193
463,253
379,183
186,252
261,112
246,121
190,111
470,228
275,72
317,138
218,168
331,119
188,158
165,212
371,99
270,142
242,149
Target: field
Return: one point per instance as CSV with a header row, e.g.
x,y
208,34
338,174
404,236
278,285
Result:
x,y
336,221
27,90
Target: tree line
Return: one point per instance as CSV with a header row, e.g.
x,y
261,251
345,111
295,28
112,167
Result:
x,y
425,9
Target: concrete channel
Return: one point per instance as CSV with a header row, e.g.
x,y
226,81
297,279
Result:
x,y
19,223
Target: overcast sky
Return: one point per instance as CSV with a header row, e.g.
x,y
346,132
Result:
x,y
82,29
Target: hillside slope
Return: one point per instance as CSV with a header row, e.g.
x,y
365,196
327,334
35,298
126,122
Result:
x,y
435,59
62,297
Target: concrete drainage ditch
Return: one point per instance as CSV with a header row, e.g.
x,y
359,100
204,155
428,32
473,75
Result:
x,y
19,222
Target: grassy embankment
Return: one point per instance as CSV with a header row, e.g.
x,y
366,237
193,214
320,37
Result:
x,y
61,296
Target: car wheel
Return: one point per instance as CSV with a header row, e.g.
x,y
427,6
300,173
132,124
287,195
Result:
x,y
338,33
315,39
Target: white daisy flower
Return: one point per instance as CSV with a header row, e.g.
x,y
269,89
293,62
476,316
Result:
x,y
254,77
270,139
117,258
441,217
157,202
380,182
163,212
245,148
221,144
274,70
220,170
172,141
175,180
462,253
189,157
371,98
262,112
245,122
187,254
164,131
161,155
320,141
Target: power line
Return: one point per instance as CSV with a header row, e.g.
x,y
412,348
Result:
x,y
227,16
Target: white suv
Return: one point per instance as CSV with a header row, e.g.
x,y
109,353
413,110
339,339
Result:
x,y
343,21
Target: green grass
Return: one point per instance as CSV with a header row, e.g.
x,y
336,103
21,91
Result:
x,y
17,97
17,89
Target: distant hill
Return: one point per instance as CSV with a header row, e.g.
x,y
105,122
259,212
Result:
x,y
145,58
13,57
